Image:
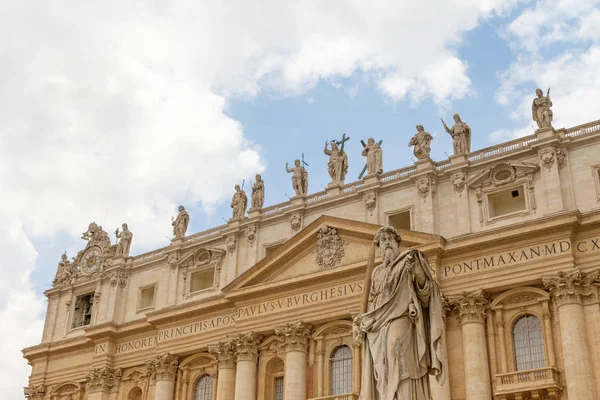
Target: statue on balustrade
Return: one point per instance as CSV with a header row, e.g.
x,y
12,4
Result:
x,y
181,223
65,271
422,142
258,193
540,109
372,151
338,160
461,135
401,325
239,202
299,178
125,240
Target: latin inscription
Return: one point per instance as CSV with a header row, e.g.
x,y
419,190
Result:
x,y
303,299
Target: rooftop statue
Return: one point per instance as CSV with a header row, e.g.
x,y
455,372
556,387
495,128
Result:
x,y
461,135
422,142
125,240
338,160
299,178
372,150
239,202
181,223
258,193
65,271
540,109
401,325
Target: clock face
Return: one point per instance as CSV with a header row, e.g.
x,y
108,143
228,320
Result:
x,y
90,261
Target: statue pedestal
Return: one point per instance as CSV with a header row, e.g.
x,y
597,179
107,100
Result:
x,y
334,188
545,133
254,213
458,159
298,200
372,179
119,261
177,241
425,165
234,223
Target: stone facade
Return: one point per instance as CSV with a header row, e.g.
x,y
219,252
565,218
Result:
x,y
245,309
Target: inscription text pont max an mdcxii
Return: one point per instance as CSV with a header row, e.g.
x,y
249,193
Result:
x,y
518,256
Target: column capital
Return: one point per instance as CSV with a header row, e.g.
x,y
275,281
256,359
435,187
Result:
x,y
164,367
102,379
570,287
246,346
471,306
294,336
224,352
34,392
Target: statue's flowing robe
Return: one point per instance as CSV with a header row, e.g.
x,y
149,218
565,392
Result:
x,y
239,204
461,138
258,194
403,333
542,114
181,223
374,159
338,165
421,141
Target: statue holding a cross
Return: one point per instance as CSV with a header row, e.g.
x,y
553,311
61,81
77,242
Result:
x,y
372,150
338,160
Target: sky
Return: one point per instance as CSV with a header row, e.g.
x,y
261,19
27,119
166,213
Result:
x,y
119,111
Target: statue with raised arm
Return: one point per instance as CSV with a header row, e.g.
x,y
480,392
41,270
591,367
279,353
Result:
x,y
258,193
299,178
239,202
422,142
401,329
64,272
540,109
338,162
461,135
181,223
124,237
372,151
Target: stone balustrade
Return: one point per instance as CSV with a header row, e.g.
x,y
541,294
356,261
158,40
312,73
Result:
x,y
541,382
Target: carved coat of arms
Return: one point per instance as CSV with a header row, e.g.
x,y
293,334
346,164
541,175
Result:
x,y
330,248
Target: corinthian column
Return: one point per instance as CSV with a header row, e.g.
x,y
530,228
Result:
x,y
246,346
100,382
164,368
568,291
472,308
224,352
295,339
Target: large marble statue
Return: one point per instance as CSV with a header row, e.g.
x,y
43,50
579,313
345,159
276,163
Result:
x,y
181,223
258,193
65,271
338,162
299,178
125,241
402,327
540,109
239,202
422,142
374,155
461,135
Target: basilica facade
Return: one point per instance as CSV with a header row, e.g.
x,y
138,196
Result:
x,y
263,306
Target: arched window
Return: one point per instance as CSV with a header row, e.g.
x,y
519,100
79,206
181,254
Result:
x,y
340,365
135,394
203,390
528,343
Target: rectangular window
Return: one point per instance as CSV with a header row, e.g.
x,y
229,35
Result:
x,y
82,311
278,388
201,280
400,220
506,202
146,297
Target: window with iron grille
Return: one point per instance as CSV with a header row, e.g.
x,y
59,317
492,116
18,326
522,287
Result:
x,y
278,388
203,389
528,343
340,367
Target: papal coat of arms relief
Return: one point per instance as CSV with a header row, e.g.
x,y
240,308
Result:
x,y
330,248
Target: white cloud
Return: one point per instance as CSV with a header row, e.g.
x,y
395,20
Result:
x,y
118,108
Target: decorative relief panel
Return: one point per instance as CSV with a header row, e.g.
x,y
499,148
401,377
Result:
x,y
231,243
35,392
295,221
459,182
250,233
330,248
561,157
370,199
102,379
547,157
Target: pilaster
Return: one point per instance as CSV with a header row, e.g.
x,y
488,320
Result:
x,y
551,178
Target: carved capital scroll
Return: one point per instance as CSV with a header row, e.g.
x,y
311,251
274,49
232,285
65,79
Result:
x,y
294,336
164,367
35,392
471,306
246,346
571,287
102,379
224,352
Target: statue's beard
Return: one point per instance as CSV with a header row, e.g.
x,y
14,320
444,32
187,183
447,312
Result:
x,y
388,255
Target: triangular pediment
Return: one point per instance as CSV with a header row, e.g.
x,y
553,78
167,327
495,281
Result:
x,y
501,173
327,244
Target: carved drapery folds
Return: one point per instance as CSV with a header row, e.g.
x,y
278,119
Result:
x,y
246,346
35,392
117,276
224,352
571,287
471,306
330,248
102,379
295,336
164,367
